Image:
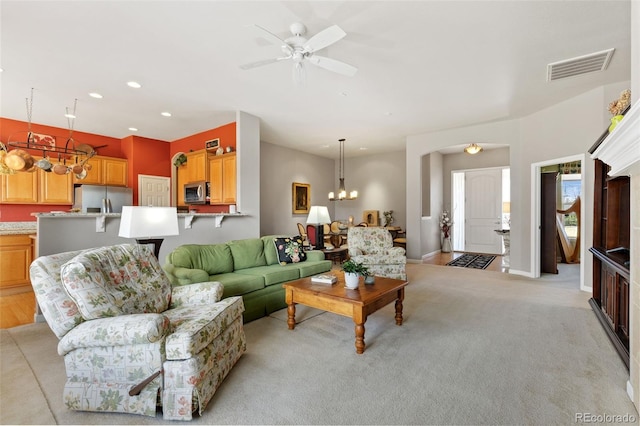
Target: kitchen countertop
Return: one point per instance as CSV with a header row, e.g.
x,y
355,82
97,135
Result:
x,y
18,228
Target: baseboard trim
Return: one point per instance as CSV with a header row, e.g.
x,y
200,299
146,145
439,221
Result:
x,y
523,273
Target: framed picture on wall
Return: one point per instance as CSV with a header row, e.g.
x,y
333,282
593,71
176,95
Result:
x,y
370,217
301,196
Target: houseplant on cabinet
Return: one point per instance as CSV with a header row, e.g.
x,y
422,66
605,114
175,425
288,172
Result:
x,y
352,272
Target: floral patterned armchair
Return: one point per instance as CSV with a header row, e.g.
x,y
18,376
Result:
x,y
373,247
130,341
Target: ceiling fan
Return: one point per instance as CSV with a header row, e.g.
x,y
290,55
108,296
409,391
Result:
x,y
300,50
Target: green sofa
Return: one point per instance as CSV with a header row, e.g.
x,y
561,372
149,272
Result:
x,y
247,268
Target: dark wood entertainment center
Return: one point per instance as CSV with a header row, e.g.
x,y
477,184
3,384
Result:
x,y
611,253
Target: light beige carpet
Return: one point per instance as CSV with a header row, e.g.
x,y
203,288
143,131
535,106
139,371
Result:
x,y
476,347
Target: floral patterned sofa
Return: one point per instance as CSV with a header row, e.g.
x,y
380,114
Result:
x,y
130,341
373,246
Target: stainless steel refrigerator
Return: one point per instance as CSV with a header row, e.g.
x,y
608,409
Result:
x,y
101,199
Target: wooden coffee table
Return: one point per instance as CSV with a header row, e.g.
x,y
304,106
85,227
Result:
x,y
357,304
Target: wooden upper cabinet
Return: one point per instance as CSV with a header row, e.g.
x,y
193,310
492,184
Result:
x,y
94,172
114,171
106,171
222,177
196,166
38,187
56,189
215,180
19,188
229,179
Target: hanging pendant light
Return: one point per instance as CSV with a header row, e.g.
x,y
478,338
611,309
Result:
x,y
473,149
342,192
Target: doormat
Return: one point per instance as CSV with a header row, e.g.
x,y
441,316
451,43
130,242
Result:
x,y
470,260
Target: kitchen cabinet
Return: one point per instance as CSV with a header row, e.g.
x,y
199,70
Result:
x,y
106,171
38,187
222,179
16,255
196,166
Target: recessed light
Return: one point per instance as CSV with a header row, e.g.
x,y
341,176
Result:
x,y
1,69
133,129
362,148
134,84
166,114
95,95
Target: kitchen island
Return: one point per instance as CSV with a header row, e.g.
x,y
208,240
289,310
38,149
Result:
x,y
58,232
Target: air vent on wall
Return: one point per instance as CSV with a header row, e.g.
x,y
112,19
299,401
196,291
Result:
x,y
598,61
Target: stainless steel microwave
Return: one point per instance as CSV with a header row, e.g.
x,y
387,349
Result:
x,y
196,193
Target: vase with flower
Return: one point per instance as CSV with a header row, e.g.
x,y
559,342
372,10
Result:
x,y
617,107
445,227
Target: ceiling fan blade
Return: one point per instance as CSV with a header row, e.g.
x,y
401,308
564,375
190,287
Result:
x,y
263,62
333,65
272,38
323,39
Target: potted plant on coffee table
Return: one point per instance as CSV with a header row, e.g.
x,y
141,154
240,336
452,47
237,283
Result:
x,y
352,272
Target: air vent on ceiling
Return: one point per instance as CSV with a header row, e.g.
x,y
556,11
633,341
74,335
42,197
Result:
x,y
598,61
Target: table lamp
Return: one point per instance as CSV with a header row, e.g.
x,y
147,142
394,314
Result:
x,y
142,223
318,216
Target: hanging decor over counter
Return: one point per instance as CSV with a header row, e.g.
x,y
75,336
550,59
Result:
x,y
19,159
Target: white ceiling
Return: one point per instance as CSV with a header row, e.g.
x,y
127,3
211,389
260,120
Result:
x,y
423,65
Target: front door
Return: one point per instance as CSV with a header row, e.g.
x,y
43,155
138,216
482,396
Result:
x,y
483,211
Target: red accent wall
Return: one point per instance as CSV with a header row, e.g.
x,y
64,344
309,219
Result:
x,y
226,134
146,157
17,131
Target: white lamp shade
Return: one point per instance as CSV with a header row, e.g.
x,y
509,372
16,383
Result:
x,y
147,222
319,214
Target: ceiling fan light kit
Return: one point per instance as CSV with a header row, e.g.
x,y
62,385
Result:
x,y
300,50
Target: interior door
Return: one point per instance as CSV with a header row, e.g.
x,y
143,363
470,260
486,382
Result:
x,y
483,211
153,191
548,259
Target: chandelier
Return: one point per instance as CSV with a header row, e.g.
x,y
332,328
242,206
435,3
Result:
x,y
342,192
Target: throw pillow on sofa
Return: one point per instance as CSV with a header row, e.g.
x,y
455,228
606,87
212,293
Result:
x,y
290,250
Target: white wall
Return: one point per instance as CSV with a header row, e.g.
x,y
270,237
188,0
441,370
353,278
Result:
x,y
248,172
380,181
504,133
280,167
568,128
